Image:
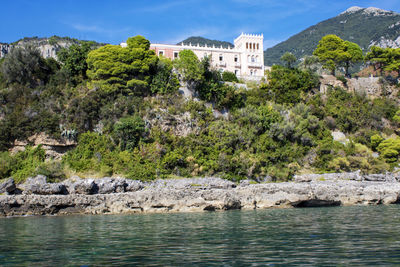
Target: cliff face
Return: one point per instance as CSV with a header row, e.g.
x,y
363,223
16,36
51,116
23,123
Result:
x,y
48,47
4,49
369,86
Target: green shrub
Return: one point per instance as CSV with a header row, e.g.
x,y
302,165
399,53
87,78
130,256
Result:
x,y
375,141
228,76
129,131
92,151
26,163
389,149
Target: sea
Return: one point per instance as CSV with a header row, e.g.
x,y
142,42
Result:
x,y
333,236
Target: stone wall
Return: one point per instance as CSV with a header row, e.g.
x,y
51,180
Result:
x,y
370,86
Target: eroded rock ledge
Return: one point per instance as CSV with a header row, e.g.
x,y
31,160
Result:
x,y
118,195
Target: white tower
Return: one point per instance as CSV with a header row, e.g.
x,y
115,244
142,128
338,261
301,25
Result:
x,y
252,54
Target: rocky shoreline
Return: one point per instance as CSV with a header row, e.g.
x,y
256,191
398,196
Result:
x,y
119,195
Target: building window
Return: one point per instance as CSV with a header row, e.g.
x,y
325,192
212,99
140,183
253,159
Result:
x,y
252,59
221,57
255,72
258,46
176,54
247,45
236,72
251,73
236,59
161,53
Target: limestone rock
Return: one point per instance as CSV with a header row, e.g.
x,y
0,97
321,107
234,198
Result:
x,y
103,196
8,186
81,186
110,185
38,185
133,185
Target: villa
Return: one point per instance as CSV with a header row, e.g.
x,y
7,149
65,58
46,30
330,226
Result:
x,y
245,59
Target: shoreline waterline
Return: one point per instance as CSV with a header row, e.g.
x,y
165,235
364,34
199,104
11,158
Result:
x,y
200,195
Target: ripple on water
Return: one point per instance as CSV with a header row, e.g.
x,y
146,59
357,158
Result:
x,y
316,236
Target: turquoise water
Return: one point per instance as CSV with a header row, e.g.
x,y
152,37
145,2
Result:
x,y
340,236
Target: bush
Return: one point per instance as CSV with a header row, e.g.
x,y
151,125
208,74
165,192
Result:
x,y
93,151
228,76
389,149
129,131
27,163
287,85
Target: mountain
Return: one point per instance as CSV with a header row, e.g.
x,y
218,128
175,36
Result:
x,y
194,40
364,26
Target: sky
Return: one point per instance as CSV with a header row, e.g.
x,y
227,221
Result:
x,y
170,21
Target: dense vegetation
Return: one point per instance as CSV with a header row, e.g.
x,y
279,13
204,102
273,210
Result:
x,y
358,27
123,108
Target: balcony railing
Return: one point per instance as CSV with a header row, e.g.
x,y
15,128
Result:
x,y
222,64
254,65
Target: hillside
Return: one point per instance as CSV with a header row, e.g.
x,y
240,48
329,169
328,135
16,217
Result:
x,y
48,46
194,40
364,26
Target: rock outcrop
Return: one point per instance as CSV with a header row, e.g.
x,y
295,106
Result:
x,y
53,148
369,86
118,195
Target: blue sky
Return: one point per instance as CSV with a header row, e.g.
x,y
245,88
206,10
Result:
x,y
169,21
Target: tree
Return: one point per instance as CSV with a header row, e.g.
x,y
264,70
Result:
x,y
25,66
309,61
377,56
289,59
353,54
384,59
287,85
188,65
126,70
393,60
129,131
333,52
165,80
73,59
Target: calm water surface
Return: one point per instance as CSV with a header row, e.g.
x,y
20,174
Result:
x,y
340,236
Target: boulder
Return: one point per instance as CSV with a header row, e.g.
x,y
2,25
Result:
x,y
81,186
8,186
133,185
375,177
109,185
38,186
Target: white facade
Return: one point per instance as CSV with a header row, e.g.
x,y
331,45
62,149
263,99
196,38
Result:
x,y
245,59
